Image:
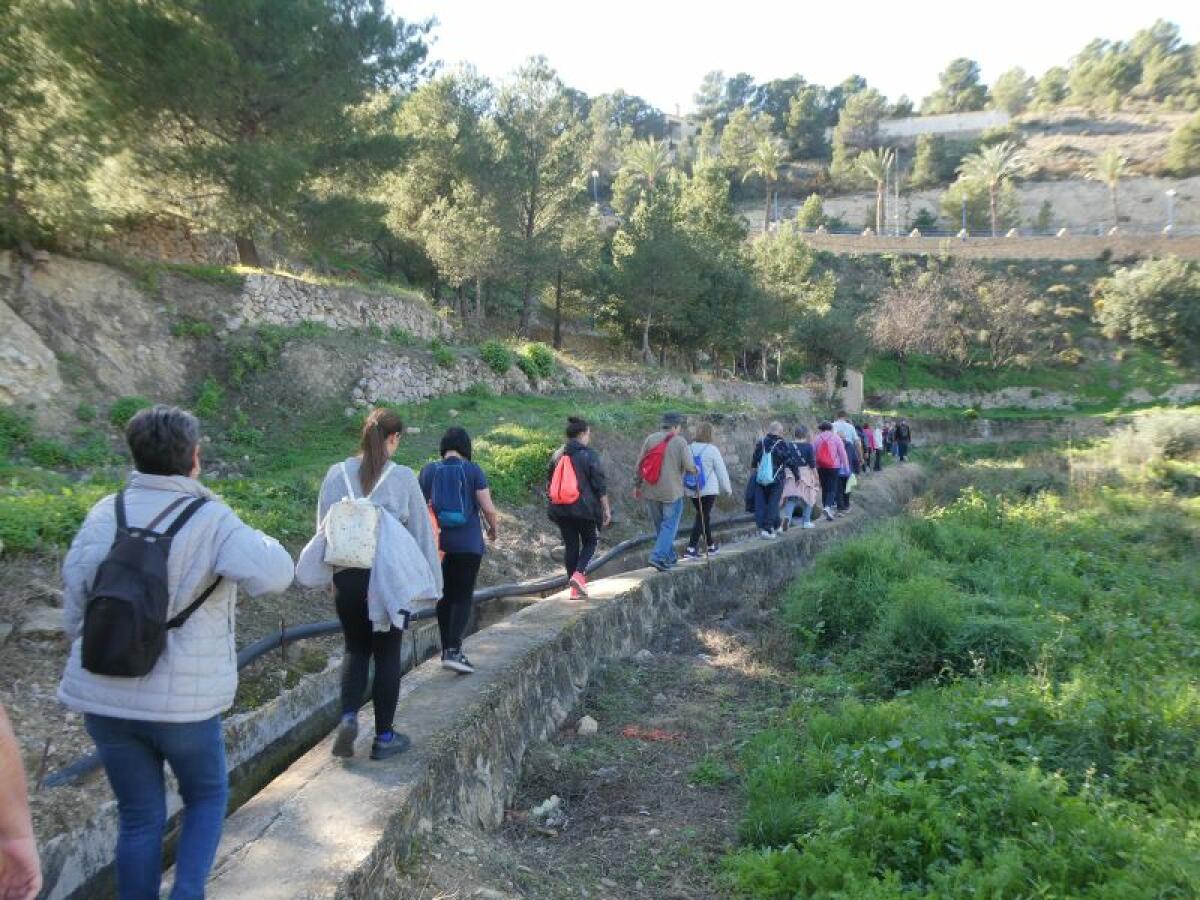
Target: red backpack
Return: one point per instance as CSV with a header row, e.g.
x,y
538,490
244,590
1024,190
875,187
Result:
x,y
826,455
564,486
651,464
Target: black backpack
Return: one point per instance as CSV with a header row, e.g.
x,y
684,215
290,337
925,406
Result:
x,y
903,435
125,618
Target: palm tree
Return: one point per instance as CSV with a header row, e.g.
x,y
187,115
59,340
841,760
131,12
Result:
x,y
1108,167
764,163
992,166
876,164
649,160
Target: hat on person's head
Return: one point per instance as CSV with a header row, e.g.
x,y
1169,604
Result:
x,y
672,420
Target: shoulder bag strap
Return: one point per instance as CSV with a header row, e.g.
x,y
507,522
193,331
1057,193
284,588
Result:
x,y
346,478
119,508
186,614
170,507
182,519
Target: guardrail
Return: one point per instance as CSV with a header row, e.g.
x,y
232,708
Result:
x,y
289,635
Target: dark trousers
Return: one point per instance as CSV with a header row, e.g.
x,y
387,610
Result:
x,y
829,487
579,543
766,505
878,460
703,509
902,450
364,643
459,571
843,499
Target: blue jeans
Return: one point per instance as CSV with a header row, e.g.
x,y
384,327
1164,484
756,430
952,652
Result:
x,y
789,509
133,753
665,517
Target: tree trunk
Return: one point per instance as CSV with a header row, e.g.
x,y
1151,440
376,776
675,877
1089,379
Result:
x,y
247,251
767,210
647,353
461,299
779,365
763,363
558,309
1116,213
479,298
879,185
10,220
526,306
992,208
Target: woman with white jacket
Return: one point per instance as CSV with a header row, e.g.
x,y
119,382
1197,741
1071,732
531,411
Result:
x,y
395,489
711,480
173,712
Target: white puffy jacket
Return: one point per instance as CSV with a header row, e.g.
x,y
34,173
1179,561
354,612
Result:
x,y
196,677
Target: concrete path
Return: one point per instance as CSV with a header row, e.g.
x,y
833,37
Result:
x,y
338,828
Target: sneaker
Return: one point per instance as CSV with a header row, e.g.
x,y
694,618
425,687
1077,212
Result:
x,y
691,553
713,550
457,661
392,745
660,565
343,742
575,595
828,513
579,582
808,525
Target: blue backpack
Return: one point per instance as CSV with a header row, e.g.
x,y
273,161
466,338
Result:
x,y
766,466
696,482
448,494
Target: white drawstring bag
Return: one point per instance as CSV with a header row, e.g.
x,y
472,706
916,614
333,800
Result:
x,y
352,527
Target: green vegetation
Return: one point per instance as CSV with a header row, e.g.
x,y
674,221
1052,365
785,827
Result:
x,y
124,409
1156,302
998,693
497,356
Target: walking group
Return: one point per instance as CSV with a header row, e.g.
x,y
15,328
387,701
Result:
x,y
151,580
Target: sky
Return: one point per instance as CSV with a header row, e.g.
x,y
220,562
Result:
x,y
660,49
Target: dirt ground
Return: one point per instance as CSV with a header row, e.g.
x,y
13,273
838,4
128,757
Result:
x,y
648,805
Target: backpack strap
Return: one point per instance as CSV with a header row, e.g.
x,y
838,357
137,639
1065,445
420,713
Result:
x,y
186,613
387,470
183,518
170,508
346,478
119,509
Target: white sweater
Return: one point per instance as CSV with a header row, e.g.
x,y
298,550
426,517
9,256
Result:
x,y
196,677
716,476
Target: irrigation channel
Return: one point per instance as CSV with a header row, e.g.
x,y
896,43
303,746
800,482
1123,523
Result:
x,y
279,640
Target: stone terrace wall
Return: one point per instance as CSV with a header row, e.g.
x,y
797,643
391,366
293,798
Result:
x,y
1075,247
268,299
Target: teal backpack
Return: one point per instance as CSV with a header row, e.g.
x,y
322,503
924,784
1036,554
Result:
x,y
766,466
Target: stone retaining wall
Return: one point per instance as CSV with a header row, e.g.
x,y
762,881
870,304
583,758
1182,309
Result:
x,y
333,828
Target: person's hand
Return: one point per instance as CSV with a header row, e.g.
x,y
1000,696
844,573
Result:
x,y
637,492
607,519
20,869
491,533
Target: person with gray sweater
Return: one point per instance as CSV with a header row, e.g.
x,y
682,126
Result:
x,y
172,713
394,488
664,460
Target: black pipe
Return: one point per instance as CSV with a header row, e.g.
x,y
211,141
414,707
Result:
x,y
264,645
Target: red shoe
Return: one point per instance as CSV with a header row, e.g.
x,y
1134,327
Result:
x,y
575,595
579,583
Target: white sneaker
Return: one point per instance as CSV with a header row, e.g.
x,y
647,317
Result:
x,y
766,535
828,513
808,525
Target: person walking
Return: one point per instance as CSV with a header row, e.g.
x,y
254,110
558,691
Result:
x,y
710,481
20,868
457,491
829,453
578,501
849,435
145,703
877,434
804,491
392,488
903,438
772,457
662,463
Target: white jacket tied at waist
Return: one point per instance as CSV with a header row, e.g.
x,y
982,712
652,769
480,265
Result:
x,y
406,571
196,677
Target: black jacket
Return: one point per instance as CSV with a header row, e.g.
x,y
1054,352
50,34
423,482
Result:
x,y
592,483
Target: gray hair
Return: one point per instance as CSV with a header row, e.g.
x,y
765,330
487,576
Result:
x,y
163,440
775,428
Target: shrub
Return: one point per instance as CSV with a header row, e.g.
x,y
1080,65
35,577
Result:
x,y
1183,151
125,408
538,361
192,328
34,520
15,431
1157,301
915,639
210,399
400,336
442,355
85,412
812,213
498,357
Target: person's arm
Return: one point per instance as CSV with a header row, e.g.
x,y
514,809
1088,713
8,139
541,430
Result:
x,y
20,869
756,458
721,472
684,449
255,561
483,497
599,482
417,521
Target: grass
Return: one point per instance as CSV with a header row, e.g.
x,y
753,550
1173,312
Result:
x,y
999,695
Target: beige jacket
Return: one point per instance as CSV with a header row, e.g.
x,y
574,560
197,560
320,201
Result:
x,y
676,461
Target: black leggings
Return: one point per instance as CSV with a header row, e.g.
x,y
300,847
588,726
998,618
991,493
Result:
x,y
579,543
459,571
363,643
829,487
703,508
